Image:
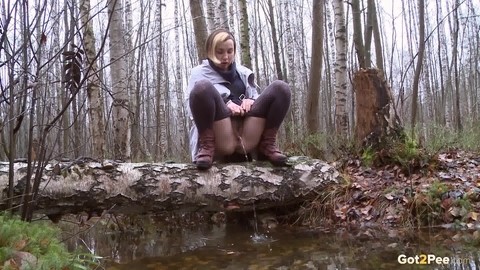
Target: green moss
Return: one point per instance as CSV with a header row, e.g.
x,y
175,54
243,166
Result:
x,y
368,156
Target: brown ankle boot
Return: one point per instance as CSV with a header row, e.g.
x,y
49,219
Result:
x,y
268,150
206,149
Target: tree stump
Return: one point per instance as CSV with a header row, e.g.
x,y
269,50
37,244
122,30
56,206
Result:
x,y
375,110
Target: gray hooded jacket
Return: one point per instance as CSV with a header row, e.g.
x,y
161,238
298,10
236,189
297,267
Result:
x,y
205,72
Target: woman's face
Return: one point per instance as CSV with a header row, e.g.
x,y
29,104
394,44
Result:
x,y
225,53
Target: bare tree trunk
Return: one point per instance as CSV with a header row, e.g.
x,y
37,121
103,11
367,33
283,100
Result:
x,y
167,141
276,51
77,148
244,34
418,69
328,84
295,114
369,32
377,38
312,113
259,41
443,62
66,119
455,32
161,91
181,122
221,14
121,105
132,86
94,96
232,12
26,32
340,67
212,21
357,34
199,27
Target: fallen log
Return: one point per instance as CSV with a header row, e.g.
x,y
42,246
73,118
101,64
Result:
x,y
90,186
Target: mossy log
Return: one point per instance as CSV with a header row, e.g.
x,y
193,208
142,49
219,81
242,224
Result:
x,y
90,186
375,109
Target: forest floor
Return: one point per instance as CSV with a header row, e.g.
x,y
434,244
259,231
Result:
x,y
444,192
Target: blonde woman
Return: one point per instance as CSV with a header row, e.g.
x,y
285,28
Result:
x,y
229,116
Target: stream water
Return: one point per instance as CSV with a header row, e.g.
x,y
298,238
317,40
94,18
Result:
x,y
239,247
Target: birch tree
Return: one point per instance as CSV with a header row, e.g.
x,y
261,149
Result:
x,y
161,92
212,21
340,69
244,34
121,105
180,119
295,113
221,14
94,96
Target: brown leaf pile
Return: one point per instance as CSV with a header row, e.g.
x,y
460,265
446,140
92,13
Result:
x,y
445,192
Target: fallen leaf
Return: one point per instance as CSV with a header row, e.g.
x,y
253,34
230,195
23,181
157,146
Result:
x,y
455,211
457,237
392,245
473,216
366,210
447,203
389,196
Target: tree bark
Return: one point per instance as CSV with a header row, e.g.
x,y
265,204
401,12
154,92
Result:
x,y
181,122
161,140
377,39
376,115
222,14
455,55
94,96
313,106
211,18
419,66
199,28
244,34
118,68
276,50
357,34
340,69
90,186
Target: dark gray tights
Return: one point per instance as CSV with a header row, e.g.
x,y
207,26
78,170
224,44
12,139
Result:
x,y
208,106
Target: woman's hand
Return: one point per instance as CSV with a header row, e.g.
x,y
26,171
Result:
x,y
235,109
247,104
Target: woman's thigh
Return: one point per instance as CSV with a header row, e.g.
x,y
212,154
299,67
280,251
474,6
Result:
x,y
225,138
251,132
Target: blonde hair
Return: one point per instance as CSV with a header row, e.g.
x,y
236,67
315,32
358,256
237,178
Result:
x,y
215,38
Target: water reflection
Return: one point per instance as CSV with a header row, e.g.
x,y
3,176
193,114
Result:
x,y
236,247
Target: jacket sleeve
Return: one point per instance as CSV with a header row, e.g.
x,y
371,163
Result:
x,y
253,86
194,77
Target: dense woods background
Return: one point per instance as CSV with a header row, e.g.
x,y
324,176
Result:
x,y
106,79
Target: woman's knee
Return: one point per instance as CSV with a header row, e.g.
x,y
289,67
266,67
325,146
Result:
x,y
202,88
281,88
